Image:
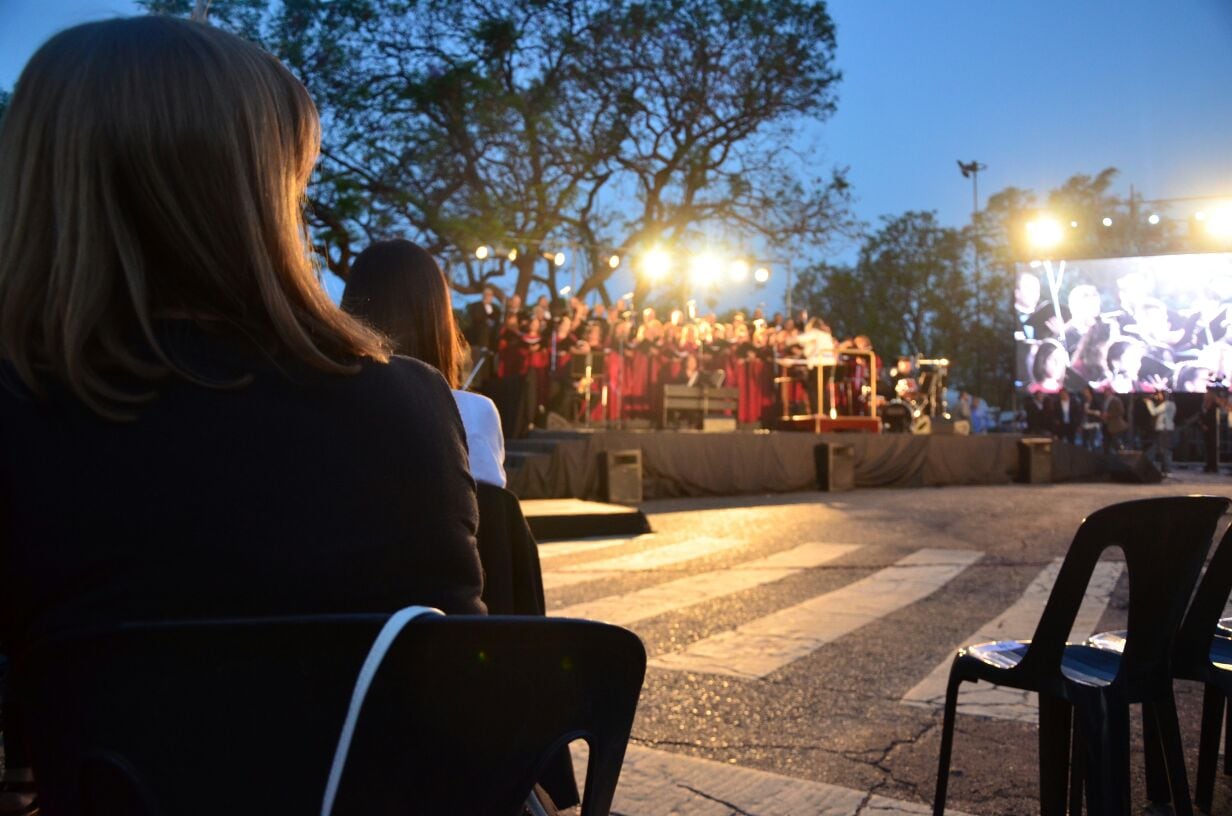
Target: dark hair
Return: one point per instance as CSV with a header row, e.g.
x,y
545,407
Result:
x,y
151,167
397,288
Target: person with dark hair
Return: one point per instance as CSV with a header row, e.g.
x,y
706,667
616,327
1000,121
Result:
x,y
484,317
397,288
190,428
1163,426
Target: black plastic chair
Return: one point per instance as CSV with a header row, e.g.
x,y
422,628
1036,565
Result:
x,y
243,716
1203,653
1164,542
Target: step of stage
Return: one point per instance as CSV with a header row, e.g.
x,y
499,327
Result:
x,y
573,518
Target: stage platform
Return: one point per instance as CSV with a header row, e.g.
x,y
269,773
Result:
x,y
688,463
571,518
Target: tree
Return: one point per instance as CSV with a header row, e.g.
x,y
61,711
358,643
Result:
x,y
5,96
605,125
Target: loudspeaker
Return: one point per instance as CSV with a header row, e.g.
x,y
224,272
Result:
x,y
1134,468
951,427
1035,461
836,466
621,476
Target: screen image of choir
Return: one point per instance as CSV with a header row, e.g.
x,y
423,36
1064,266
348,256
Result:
x,y
1125,324
594,363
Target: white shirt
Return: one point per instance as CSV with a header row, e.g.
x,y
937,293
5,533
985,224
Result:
x,y
484,438
817,346
1164,413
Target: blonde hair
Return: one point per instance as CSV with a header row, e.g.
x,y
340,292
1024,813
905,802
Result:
x,y
153,167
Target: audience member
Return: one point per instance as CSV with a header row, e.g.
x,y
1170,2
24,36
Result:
x,y
190,427
397,288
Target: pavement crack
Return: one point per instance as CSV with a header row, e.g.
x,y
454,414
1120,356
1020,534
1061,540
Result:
x,y
736,810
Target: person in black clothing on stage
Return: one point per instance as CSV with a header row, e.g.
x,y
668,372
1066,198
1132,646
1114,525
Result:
x,y
484,321
190,428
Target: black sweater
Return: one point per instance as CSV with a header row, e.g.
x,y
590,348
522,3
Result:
x,y
297,493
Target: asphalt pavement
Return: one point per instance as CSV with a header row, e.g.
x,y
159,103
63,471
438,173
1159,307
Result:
x,y
798,643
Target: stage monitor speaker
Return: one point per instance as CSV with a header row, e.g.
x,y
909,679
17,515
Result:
x,y
1035,461
621,474
951,427
1133,467
836,466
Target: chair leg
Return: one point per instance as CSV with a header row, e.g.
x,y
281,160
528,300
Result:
x,y
1077,772
1055,724
1105,738
1208,746
1227,744
947,741
1157,789
1169,731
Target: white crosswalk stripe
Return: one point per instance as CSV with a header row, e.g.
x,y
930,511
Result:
x,y
554,550
642,561
1017,622
766,644
641,604
658,782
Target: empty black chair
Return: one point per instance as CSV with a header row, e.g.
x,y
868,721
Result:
x,y
1164,542
1203,653
243,716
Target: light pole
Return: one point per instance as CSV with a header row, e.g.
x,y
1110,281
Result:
x,y
972,170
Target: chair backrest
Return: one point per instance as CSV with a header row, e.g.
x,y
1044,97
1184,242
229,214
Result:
x,y
1191,655
1164,541
513,581
243,716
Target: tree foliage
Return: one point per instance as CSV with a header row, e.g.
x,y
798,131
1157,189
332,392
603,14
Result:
x,y
605,125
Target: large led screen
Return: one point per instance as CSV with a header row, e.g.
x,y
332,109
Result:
x,y
1125,324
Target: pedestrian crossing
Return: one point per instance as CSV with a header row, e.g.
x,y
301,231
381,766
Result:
x,y
756,648
769,642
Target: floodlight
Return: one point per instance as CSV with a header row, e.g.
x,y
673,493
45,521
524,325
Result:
x,y
1153,218
613,261
1107,222
704,269
559,259
1044,232
1074,224
482,252
565,290
513,255
656,264
761,274
1219,222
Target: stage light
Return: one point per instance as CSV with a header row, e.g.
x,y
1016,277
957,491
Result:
x,y
656,264
613,261
1153,218
565,290
1074,224
482,252
1107,222
739,270
559,259
1044,232
513,255
704,269
761,274
1219,223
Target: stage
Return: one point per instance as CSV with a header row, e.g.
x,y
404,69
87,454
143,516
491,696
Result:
x,y
691,463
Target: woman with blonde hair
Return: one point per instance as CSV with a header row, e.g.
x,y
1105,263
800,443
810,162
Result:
x,y
190,427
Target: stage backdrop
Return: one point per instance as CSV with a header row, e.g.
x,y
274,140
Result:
x,y
1133,324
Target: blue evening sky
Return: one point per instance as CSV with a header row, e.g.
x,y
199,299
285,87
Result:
x,y
1037,90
